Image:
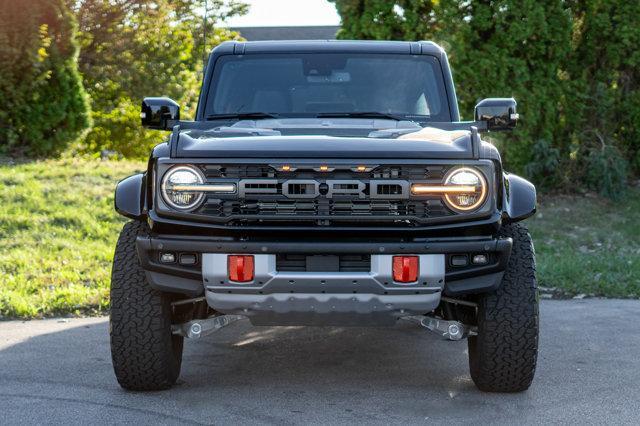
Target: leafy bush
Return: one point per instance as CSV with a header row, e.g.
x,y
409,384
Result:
x,y
386,20
605,169
497,49
44,103
119,130
573,66
142,48
544,168
603,91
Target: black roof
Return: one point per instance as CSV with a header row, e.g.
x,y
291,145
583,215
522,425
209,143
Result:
x,y
355,46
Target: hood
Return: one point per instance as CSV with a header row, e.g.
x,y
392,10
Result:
x,y
318,147
270,142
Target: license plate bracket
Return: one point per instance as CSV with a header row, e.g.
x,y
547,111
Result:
x,y
323,263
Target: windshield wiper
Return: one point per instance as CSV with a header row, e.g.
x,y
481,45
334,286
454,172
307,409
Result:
x,y
242,115
372,114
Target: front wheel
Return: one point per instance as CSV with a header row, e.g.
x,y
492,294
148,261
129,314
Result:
x,y
503,355
145,354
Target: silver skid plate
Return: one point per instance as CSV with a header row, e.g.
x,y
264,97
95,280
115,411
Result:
x,y
323,298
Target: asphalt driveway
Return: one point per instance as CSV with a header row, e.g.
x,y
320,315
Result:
x,y
588,372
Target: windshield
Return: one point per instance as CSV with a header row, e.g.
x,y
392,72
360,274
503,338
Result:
x,y
308,85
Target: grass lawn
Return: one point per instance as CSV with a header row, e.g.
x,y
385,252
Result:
x,y
58,230
57,234
589,245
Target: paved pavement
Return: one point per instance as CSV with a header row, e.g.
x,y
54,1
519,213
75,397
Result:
x,y
588,373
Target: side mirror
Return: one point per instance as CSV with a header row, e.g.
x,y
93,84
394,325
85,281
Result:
x,y
157,112
499,113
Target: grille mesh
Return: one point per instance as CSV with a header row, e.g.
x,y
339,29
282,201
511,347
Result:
x,y
347,263
335,209
354,208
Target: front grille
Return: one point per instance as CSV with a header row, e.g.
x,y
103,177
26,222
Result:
x,y
238,171
332,210
343,263
309,196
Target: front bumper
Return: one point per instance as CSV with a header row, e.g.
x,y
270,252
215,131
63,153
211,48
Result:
x,y
341,298
189,280
323,298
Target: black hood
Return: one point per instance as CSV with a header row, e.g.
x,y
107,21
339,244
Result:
x,y
317,147
336,141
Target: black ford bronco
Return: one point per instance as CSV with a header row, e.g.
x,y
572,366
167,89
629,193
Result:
x,y
325,183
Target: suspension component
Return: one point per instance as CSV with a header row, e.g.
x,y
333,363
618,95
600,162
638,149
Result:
x,y
450,330
202,327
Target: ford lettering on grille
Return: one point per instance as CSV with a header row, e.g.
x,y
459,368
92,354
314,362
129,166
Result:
x,y
330,188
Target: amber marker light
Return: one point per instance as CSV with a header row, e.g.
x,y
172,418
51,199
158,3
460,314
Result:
x,y
361,168
286,168
324,168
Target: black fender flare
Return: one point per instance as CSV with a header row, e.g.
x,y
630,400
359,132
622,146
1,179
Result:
x,y
519,198
129,199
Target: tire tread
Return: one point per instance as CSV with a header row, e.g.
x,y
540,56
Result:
x,y
145,355
503,356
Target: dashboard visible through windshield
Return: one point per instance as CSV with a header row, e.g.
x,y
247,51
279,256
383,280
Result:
x,y
311,85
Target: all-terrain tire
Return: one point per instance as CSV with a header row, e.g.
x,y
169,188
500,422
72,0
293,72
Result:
x,y
146,355
503,355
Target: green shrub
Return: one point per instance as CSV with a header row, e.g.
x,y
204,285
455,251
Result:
x,y
44,103
603,90
497,49
119,130
142,48
386,20
605,169
573,66
544,169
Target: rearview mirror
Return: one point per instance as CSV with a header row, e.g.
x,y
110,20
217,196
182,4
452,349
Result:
x,y
157,112
499,113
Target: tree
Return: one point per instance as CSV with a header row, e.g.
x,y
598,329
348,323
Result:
x,y
573,66
496,47
386,20
512,48
44,103
137,48
603,108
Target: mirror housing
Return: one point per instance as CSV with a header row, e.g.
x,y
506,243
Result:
x,y
157,112
499,113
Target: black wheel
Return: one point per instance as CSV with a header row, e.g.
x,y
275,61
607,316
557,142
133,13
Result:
x,y
145,354
502,357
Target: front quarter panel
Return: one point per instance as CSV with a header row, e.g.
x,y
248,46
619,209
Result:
x,y
129,196
519,198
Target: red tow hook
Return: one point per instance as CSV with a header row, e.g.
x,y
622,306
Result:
x,y
241,268
405,268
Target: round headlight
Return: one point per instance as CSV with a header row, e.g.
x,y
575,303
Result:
x,y
179,187
466,177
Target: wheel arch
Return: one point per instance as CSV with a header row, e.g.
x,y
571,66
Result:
x,y
129,199
519,198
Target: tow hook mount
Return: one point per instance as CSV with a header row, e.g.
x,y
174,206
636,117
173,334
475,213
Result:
x,y
202,327
450,330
